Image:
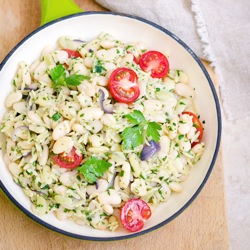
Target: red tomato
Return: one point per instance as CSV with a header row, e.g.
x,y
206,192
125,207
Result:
x,y
72,53
154,62
134,213
123,85
197,124
70,160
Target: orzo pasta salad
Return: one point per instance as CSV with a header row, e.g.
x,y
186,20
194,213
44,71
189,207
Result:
x,y
101,132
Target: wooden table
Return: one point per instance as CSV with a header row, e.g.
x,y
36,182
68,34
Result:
x,y
202,226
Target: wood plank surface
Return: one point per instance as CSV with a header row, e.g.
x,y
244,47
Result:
x,y
202,225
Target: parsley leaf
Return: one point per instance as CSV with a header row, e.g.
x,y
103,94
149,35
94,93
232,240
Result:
x,y
56,116
132,137
94,168
75,80
152,130
58,75
136,117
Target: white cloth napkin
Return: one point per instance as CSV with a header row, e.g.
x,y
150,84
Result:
x,y
216,30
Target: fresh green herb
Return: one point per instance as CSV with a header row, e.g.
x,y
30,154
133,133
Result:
x,y
133,136
129,46
94,168
136,117
180,137
58,75
45,187
56,116
153,131
99,67
122,173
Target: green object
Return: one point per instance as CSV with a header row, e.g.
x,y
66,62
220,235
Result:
x,y
58,75
53,9
94,168
132,137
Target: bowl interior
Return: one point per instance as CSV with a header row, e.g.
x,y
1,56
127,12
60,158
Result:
x,y
87,26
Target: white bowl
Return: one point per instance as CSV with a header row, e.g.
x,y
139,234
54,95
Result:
x,y
126,28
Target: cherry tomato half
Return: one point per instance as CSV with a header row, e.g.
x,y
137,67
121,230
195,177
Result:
x,y
134,213
70,160
72,53
123,85
197,125
154,62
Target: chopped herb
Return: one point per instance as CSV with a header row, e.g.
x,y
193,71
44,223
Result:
x,y
56,116
45,187
180,137
122,173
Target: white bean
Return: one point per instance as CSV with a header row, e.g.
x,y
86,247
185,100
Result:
x,y
34,117
37,128
84,100
12,98
107,44
185,145
198,148
99,150
96,126
60,56
60,214
80,68
100,80
40,70
20,107
152,105
108,209
185,90
66,178
176,187
109,197
63,144
134,161
14,168
125,175
79,128
183,77
128,58
102,225
61,130
184,128
6,159
165,146
42,159
96,140
90,113
60,189
191,133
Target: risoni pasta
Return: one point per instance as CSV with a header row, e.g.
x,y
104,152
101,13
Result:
x,y
63,102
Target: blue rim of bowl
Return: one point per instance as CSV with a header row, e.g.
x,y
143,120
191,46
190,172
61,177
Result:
x,y
195,57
